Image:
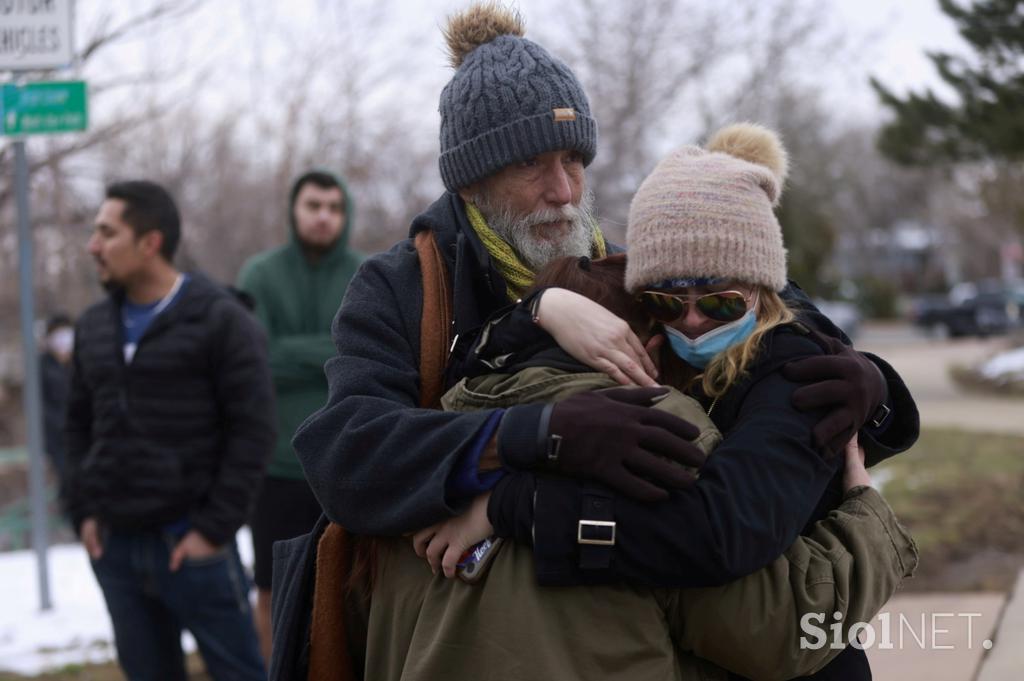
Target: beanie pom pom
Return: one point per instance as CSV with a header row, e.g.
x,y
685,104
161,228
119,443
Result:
x,y
753,143
478,25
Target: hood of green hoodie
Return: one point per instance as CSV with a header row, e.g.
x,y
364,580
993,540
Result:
x,y
340,247
296,301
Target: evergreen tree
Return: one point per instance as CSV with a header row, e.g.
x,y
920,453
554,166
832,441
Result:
x,y
987,121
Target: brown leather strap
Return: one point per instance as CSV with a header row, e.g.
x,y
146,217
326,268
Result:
x,y
329,656
435,322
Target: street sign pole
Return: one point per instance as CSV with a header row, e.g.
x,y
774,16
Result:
x,y
38,36
31,393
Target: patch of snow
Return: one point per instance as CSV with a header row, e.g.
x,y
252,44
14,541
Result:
x,y
1005,367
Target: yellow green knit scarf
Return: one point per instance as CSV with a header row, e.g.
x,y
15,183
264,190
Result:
x,y
518,277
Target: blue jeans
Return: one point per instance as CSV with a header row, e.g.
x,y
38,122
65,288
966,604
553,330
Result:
x,y
150,605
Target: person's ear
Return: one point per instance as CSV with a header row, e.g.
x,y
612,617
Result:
x,y
151,242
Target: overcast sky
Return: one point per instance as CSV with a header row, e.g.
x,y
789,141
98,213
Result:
x,y
891,35
901,31
889,38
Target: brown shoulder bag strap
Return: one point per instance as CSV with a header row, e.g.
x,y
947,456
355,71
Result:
x,y
329,657
436,320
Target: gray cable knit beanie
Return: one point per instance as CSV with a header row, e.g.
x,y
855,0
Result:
x,y
708,213
509,99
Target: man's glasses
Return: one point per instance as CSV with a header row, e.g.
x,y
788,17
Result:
x,y
721,306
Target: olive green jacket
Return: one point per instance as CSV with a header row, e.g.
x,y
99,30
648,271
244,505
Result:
x,y
424,627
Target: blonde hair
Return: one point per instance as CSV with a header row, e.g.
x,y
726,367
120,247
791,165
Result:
x,y
730,366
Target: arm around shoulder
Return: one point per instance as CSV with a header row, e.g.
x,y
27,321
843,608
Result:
x,y
715,531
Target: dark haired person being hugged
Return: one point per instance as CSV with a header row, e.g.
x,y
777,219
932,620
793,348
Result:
x,y
170,424
422,625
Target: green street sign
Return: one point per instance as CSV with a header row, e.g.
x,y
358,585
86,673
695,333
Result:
x,y
44,108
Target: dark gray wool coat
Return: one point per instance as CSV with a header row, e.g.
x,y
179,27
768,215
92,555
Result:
x,y
377,463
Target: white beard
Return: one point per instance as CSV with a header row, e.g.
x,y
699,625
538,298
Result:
x,y
516,230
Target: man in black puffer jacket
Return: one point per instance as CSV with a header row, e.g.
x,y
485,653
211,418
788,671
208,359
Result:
x,y
170,425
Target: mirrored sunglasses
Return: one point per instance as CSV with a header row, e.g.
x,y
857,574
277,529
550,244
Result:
x,y
721,306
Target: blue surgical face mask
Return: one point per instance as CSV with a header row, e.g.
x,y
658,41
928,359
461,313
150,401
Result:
x,y
698,352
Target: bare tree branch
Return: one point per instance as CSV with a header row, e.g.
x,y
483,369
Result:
x,y
160,12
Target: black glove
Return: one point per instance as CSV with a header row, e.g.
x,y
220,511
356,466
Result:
x,y
611,436
844,380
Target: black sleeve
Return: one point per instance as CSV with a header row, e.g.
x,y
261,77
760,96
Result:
x,y
755,495
78,438
902,426
54,383
508,336
245,396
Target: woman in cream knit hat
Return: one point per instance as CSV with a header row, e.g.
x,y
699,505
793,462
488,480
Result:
x,y
706,259
705,251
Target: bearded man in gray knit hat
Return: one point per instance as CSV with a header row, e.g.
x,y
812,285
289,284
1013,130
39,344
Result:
x,y
516,136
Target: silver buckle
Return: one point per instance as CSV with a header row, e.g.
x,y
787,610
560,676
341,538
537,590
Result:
x,y
595,523
554,447
880,415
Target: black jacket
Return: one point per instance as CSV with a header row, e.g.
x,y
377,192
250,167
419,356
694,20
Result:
x,y
55,380
185,430
756,493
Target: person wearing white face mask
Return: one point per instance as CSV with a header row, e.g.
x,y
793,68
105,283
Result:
x,y
55,375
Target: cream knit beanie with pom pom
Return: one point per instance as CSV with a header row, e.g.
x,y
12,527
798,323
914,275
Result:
x,y
707,213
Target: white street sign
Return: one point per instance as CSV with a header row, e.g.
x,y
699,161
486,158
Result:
x,y
35,34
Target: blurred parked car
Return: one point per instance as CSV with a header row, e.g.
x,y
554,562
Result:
x,y
844,315
972,309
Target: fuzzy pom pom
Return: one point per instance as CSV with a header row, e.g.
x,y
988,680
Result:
x,y
753,143
480,24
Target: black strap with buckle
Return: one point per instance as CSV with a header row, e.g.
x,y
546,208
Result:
x,y
595,532
880,416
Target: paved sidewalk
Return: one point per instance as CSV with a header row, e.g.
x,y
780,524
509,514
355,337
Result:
x,y
1005,662
937,636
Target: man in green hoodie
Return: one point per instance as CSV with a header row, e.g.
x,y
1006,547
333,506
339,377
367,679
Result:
x,y
297,289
